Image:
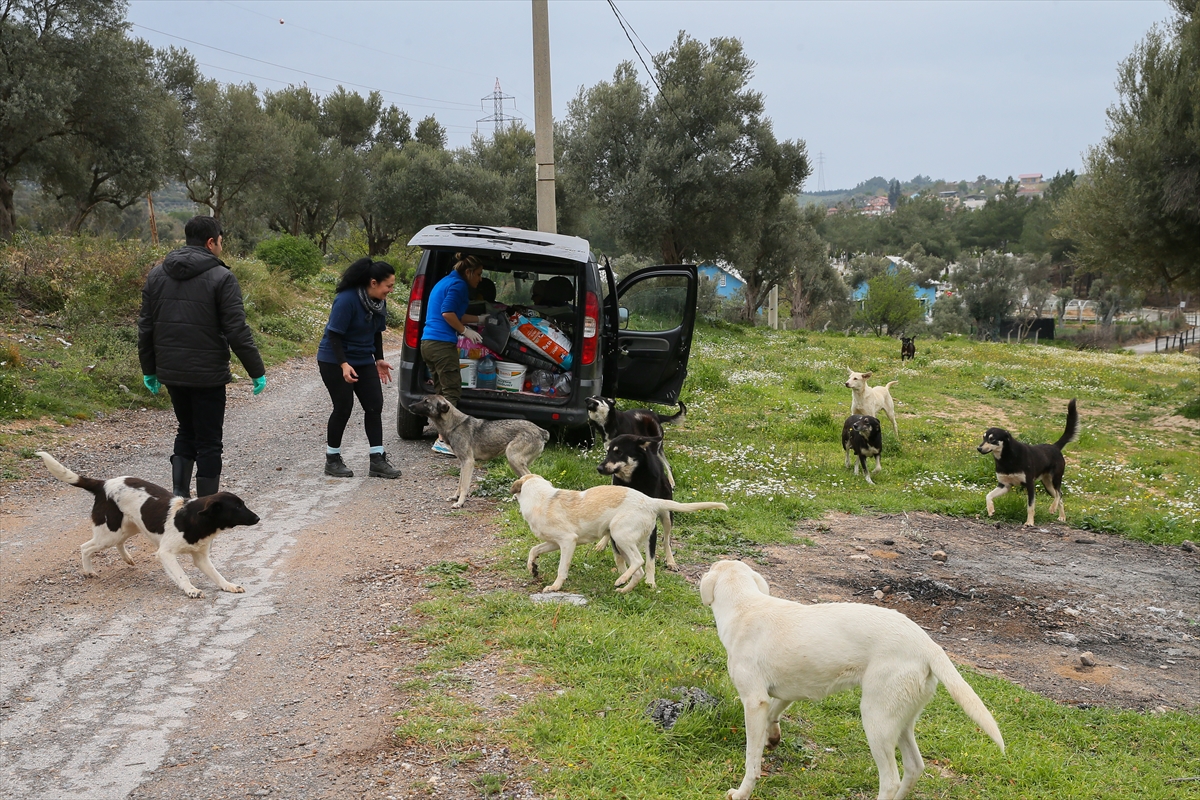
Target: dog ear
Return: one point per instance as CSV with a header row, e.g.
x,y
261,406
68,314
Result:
x,y
866,374
707,584
443,405
761,583
519,483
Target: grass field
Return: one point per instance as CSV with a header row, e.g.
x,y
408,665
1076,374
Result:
x,y
762,433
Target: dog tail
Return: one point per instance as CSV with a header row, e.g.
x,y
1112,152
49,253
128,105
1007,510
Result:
x,y
671,505
1072,426
67,476
890,385
678,416
944,670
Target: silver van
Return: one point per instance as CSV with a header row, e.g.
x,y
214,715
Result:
x,y
628,339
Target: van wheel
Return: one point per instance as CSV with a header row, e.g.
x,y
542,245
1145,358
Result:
x,y
408,425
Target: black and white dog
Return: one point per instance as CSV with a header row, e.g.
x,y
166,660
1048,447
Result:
x,y
603,413
1020,464
125,507
637,462
862,436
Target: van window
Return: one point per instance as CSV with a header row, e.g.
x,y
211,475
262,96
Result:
x,y
658,303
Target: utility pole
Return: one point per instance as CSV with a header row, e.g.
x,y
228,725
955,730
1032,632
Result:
x,y
543,119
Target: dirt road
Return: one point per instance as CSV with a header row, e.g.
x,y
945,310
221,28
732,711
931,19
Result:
x,y
121,687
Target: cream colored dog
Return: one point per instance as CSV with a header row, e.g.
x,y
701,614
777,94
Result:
x,y
563,519
870,400
780,651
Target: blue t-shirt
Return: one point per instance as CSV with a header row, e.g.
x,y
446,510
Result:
x,y
451,293
349,318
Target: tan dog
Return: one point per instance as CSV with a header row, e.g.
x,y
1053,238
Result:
x,y
780,651
563,519
870,400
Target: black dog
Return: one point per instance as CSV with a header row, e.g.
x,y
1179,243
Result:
x,y
862,436
603,413
637,462
1020,464
907,348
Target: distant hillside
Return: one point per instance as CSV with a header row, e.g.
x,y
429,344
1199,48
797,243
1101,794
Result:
x,y
878,186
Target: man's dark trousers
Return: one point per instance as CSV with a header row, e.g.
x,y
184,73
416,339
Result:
x,y
201,415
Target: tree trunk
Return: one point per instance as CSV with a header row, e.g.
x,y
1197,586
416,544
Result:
x,y
8,212
670,252
799,305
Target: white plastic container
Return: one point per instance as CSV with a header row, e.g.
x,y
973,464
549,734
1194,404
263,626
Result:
x,y
466,369
509,376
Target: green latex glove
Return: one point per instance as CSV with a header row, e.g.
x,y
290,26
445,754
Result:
x,y
152,383
260,383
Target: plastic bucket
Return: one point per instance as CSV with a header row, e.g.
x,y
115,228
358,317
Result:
x,y
509,376
466,370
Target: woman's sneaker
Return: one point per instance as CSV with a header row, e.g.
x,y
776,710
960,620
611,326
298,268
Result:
x,y
336,468
380,468
442,448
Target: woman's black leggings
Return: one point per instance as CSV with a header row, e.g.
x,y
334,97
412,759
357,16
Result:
x,y
370,397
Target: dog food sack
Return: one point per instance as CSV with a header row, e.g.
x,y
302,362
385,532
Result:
x,y
544,336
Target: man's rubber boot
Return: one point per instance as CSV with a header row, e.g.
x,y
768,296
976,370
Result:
x,y
380,468
336,468
207,486
181,476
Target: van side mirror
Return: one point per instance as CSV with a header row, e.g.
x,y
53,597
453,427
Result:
x,y
623,317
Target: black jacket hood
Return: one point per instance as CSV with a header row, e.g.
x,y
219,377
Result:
x,y
189,261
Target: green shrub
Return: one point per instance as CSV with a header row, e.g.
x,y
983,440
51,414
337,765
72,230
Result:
x,y
300,258
82,275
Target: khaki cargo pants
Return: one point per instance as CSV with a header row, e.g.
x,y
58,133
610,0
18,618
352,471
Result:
x,y
442,360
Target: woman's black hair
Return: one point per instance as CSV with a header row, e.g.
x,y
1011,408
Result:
x,y
463,263
362,272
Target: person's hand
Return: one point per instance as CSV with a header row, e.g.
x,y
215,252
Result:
x,y
472,334
348,374
260,383
152,383
385,371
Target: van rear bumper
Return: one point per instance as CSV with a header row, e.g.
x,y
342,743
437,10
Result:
x,y
502,405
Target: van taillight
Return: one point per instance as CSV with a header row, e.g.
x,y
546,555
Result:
x,y
412,331
591,327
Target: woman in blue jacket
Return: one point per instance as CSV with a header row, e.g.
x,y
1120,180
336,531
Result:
x,y
445,321
350,358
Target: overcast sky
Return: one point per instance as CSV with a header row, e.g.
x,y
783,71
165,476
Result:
x,y
947,89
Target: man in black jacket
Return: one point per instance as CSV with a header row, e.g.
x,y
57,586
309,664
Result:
x,y
191,316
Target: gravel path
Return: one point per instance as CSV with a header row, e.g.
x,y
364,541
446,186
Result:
x,y
120,686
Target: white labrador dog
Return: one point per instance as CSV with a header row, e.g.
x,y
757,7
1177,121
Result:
x,y
780,651
563,519
870,400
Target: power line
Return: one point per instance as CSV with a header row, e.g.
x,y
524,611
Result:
x,y
291,83
622,22
356,45
300,71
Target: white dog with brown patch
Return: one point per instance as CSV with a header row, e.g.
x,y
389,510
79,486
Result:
x,y
780,651
870,400
564,519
